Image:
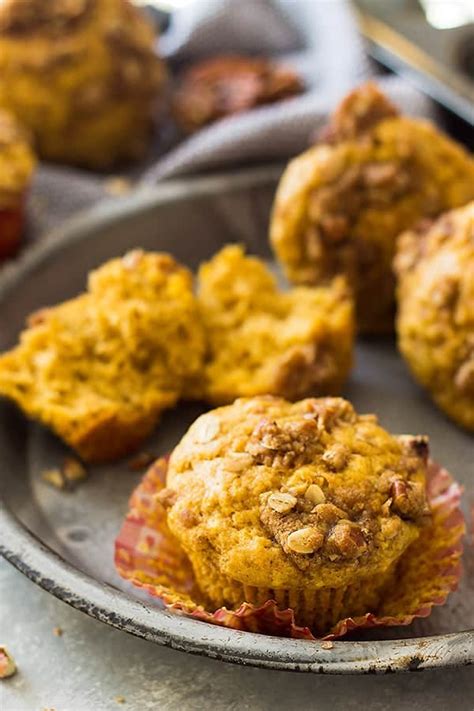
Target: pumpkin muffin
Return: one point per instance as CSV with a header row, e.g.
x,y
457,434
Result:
x,y
261,340
435,324
309,504
16,168
82,75
99,369
340,205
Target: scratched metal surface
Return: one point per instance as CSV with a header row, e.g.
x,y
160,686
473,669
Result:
x,y
71,549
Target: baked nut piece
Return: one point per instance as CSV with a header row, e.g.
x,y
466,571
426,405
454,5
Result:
x,y
227,85
16,168
101,368
82,75
435,324
261,340
309,504
341,204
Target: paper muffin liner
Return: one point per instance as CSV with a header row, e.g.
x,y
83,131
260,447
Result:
x,y
147,554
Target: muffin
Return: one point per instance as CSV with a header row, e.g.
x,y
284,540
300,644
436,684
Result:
x,y
82,75
435,323
99,369
308,504
340,205
16,168
226,85
262,340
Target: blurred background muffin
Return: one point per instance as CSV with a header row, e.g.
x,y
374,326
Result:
x,y
16,167
341,204
435,324
82,75
225,85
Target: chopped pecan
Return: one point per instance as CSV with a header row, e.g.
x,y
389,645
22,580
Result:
x,y
346,540
331,411
408,499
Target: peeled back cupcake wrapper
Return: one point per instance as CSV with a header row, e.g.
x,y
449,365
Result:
x,y
147,555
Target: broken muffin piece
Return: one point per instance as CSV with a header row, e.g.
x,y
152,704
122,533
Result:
x,y
435,324
262,340
99,369
341,204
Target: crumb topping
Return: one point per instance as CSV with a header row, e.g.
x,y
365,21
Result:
x,y
309,485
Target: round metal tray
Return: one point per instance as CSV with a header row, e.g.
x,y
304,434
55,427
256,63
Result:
x,y
64,541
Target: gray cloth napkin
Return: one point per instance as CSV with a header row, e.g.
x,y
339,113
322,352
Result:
x,y
317,37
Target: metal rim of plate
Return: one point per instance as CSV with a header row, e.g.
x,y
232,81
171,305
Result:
x,y
107,604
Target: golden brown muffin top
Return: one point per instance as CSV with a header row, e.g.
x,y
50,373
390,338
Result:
x,y
16,161
287,495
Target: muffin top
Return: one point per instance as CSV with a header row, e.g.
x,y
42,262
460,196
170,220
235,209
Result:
x,y
286,495
16,161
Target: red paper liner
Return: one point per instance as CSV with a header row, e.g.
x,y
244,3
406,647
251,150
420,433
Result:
x,y
147,555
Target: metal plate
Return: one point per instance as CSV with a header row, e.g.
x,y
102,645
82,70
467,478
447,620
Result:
x,y
64,541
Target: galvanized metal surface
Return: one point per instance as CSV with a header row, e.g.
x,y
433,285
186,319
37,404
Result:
x,y
70,547
92,664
